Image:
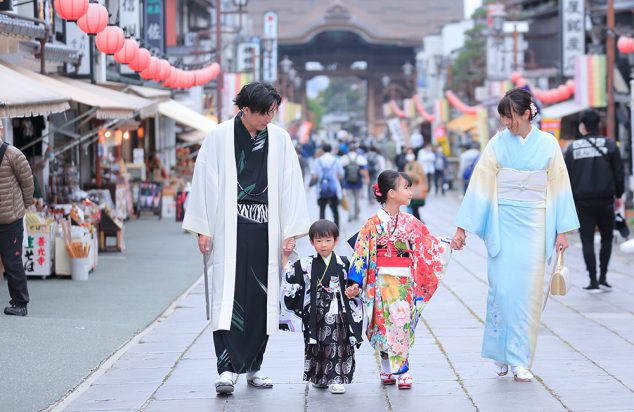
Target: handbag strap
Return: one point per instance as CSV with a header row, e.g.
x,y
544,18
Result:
x,y
603,155
559,264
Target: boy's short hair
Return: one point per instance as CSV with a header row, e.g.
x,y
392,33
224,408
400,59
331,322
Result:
x,y
323,228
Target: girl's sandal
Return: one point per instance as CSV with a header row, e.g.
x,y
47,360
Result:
x,y
405,382
387,378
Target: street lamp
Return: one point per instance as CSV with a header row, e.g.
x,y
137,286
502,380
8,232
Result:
x,y
408,68
286,65
385,80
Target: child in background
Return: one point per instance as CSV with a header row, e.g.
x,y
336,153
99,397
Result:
x,y
314,301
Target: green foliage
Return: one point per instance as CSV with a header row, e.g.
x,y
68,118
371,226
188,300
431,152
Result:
x,y
343,95
468,70
316,110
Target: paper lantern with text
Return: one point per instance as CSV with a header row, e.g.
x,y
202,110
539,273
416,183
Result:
x,y
95,19
71,10
141,61
110,40
127,52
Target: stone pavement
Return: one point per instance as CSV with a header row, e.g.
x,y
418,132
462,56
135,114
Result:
x,y
584,360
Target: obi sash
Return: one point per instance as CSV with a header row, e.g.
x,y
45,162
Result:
x,y
389,263
522,186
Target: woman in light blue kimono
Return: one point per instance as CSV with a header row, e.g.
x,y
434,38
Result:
x,y
519,201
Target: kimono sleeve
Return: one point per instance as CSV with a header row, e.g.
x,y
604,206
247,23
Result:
x,y
292,292
478,212
202,202
561,214
294,210
361,258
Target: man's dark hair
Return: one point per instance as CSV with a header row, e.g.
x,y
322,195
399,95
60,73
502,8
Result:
x,y
326,148
591,120
258,97
323,228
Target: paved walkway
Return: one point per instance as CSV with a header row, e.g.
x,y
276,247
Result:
x,y
584,361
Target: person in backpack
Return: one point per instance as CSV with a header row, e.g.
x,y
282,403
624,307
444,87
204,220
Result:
x,y
376,164
440,164
468,160
598,182
355,169
327,175
16,195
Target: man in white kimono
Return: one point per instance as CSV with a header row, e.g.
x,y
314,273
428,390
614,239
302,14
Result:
x,y
248,195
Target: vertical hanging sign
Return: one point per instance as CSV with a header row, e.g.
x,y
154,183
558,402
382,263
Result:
x,y
269,39
130,22
573,33
153,25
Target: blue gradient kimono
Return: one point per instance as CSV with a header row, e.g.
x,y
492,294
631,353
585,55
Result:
x,y
519,199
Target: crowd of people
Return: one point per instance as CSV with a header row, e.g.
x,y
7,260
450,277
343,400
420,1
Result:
x,y
249,194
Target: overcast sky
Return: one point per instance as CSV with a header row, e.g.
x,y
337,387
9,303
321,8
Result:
x,y
470,6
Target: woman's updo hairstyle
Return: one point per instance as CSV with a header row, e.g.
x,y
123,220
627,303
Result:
x,y
387,180
517,101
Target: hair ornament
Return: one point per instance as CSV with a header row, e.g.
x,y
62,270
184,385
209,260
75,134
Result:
x,y
377,191
533,110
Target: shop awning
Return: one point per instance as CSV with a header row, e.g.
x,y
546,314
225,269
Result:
x,y
150,92
186,116
462,123
563,109
145,107
194,137
20,96
106,107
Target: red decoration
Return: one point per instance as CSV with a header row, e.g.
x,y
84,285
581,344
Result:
x,y
570,84
110,40
625,44
165,70
128,51
455,102
429,118
190,79
152,70
95,19
71,10
141,61
516,76
171,79
397,110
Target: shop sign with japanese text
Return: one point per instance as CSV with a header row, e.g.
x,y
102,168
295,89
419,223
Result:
x,y
153,24
573,31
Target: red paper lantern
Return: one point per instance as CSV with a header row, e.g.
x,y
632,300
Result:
x,y
95,19
521,82
169,82
165,70
570,84
71,10
141,61
563,92
190,79
515,76
151,70
110,40
180,79
215,70
629,45
624,44
128,51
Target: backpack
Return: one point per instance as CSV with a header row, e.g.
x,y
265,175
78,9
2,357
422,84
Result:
x,y
328,182
372,159
352,171
468,171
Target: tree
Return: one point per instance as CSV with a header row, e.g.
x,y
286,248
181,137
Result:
x,y
468,70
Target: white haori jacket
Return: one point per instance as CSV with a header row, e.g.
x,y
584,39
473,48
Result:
x,y
212,211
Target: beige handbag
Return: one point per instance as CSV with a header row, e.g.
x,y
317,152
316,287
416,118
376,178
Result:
x,y
559,284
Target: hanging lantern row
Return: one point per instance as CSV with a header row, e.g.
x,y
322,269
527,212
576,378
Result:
x,y
429,118
625,44
555,95
92,19
458,104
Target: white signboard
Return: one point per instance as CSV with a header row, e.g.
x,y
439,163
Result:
x,y
269,38
130,21
248,60
499,58
572,33
78,40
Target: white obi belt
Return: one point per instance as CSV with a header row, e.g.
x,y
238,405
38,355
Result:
x,y
522,186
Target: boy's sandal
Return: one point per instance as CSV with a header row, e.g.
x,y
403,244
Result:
x,y
405,382
387,378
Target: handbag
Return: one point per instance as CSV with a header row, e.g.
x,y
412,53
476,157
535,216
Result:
x,y
344,203
559,284
621,225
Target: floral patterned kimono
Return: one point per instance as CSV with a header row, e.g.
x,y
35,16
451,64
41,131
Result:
x,y
393,298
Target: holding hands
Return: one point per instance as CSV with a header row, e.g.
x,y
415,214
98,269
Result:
x,y
288,247
352,291
459,239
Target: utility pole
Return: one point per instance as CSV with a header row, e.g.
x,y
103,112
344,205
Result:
x,y
610,63
219,79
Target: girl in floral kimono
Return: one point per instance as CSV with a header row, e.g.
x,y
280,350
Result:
x,y
397,263
312,300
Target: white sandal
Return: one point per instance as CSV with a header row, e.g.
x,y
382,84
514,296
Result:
x,y
225,383
337,388
405,381
256,380
521,374
501,368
